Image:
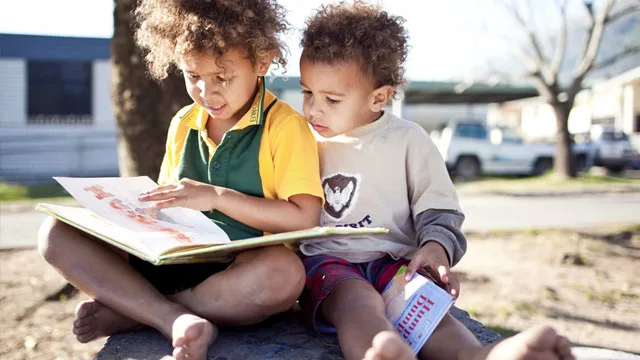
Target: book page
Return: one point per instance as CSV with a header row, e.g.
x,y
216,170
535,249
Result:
x,y
116,200
415,308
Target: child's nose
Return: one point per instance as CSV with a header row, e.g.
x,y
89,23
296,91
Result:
x,y
314,109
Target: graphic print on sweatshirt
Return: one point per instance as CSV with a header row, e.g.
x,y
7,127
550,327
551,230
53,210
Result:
x,y
340,193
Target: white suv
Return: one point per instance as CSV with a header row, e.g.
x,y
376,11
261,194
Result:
x,y
471,148
610,148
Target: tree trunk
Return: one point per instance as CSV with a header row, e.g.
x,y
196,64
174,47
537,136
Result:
x,y
143,108
563,161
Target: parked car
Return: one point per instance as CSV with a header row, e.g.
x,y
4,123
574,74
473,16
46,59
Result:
x,y
610,148
472,148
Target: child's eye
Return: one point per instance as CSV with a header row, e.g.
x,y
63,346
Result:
x,y
192,76
306,92
222,79
332,101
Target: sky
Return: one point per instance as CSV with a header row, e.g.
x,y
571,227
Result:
x,y
448,38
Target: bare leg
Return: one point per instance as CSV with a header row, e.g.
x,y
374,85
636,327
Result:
x,y
258,284
388,345
356,310
541,342
452,340
106,276
95,320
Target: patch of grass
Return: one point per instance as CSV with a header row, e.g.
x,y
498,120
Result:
x,y
14,192
505,310
525,308
503,331
473,312
632,228
545,183
611,298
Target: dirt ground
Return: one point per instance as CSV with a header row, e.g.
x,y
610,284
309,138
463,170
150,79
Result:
x,y
585,284
581,283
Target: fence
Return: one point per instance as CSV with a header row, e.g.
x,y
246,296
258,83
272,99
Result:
x,y
35,159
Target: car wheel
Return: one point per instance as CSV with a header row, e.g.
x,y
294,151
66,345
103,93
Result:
x,y
615,169
467,167
581,163
541,166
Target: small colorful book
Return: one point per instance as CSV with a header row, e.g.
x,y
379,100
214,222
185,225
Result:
x,y
415,307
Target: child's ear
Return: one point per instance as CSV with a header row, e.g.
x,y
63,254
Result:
x,y
263,63
381,97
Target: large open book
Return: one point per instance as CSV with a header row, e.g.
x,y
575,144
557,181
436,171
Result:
x,y
113,213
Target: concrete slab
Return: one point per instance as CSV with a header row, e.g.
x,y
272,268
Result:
x,y
282,337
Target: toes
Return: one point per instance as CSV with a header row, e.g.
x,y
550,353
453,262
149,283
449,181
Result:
x,y
389,345
180,353
79,330
179,342
87,337
84,321
86,308
372,354
563,347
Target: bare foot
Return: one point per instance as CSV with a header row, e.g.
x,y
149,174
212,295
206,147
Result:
x,y
191,337
389,345
540,342
95,320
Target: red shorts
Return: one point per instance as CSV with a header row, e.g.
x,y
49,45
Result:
x,y
324,273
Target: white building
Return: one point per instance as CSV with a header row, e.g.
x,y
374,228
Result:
x,y
615,101
55,108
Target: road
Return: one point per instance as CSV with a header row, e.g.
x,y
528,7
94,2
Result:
x,y
491,212
484,212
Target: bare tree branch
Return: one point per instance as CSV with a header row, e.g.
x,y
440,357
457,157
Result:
x,y
593,39
624,12
630,50
543,88
517,50
561,44
549,40
539,57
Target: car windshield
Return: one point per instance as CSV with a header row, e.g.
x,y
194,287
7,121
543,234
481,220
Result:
x,y
614,136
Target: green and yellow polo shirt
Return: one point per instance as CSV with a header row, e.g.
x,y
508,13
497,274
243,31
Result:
x,y
269,153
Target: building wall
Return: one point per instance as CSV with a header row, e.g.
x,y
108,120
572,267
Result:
x,y
102,105
36,152
13,104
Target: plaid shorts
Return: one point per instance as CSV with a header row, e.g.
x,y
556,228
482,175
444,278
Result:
x,y
324,273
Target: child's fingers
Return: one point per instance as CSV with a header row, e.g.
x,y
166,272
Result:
x,y
168,203
163,195
454,287
158,189
414,265
443,272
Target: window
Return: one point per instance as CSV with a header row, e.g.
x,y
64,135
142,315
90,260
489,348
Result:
x,y
474,131
59,92
614,136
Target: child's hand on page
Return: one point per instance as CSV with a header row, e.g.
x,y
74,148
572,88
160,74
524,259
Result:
x,y
433,259
186,193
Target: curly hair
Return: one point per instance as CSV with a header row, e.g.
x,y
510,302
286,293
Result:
x,y
167,29
358,32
